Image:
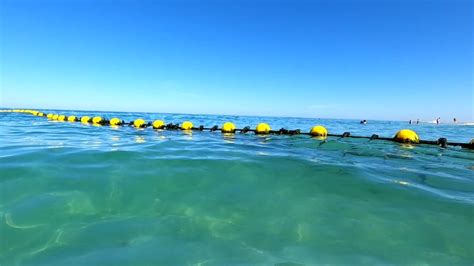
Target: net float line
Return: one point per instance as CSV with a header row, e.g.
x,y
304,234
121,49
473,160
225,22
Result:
x,y
319,131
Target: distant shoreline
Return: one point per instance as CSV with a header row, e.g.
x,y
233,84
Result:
x,y
466,123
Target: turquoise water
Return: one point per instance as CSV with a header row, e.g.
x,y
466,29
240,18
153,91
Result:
x,y
75,194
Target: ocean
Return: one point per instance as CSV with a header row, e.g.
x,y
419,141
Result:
x,y
79,194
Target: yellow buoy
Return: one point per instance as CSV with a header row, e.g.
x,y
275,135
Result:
x,y
62,118
158,124
115,121
49,116
40,114
71,118
55,117
85,119
262,128
228,127
406,136
139,123
97,120
187,125
318,131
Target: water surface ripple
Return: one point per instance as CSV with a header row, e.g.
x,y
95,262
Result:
x,y
75,194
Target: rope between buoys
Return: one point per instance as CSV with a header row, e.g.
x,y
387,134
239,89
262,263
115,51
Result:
x,y
402,136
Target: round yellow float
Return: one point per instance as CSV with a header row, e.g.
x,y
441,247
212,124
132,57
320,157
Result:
x,y
97,120
318,131
139,123
115,121
262,128
186,125
158,124
406,136
85,119
228,127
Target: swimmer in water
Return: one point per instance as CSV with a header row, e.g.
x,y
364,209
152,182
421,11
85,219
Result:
x,y
363,121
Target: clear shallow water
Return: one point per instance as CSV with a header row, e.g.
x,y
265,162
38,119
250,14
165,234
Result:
x,y
75,194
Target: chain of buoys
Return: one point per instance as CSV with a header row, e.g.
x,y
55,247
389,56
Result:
x,y
320,132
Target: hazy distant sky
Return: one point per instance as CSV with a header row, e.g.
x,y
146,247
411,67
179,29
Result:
x,y
332,59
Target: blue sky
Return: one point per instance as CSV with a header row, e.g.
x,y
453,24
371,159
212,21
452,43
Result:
x,y
395,60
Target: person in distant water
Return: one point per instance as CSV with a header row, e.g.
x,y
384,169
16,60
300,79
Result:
x,y
417,121
454,119
409,122
363,121
437,120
